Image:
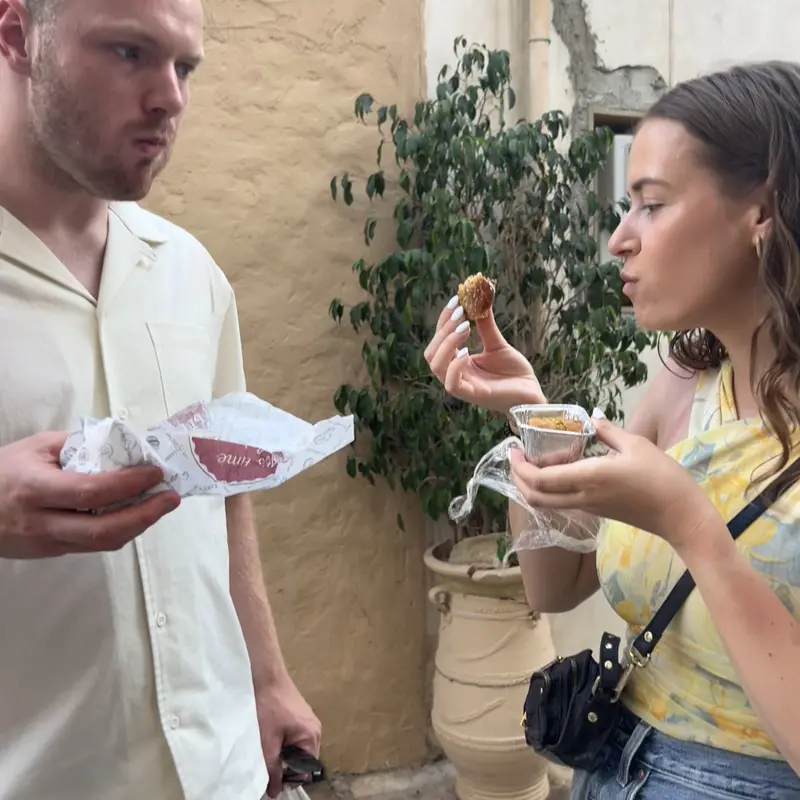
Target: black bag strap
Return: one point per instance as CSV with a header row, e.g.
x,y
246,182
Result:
x,y
646,641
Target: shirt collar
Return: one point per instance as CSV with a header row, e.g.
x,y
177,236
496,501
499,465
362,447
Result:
x,y
142,224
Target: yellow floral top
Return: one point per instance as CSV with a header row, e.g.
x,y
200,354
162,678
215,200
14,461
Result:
x,y
690,690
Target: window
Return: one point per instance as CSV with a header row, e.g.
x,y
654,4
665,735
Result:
x,y
612,179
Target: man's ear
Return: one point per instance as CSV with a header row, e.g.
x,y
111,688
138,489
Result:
x,y
15,36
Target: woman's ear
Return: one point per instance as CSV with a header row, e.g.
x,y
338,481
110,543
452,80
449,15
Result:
x,y
761,217
15,33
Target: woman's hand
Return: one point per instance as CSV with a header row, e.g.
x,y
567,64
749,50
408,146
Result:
x,y
497,379
636,483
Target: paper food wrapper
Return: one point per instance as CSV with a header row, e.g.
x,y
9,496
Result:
x,y
235,444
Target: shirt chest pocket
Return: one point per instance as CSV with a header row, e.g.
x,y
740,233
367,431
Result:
x,y
186,356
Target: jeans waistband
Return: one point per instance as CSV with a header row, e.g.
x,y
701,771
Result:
x,y
769,779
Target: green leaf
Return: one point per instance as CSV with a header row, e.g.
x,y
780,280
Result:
x,y
363,105
359,314
364,408
333,188
351,466
400,523
347,189
369,230
340,399
380,183
405,230
336,309
512,99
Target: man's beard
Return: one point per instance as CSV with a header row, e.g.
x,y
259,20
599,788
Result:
x,y
67,149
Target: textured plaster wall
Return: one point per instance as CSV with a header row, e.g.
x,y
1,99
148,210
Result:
x,y
496,23
270,122
597,82
683,38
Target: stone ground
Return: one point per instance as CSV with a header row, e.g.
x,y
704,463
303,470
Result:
x,y
430,783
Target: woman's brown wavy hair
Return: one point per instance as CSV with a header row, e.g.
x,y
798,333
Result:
x,y
747,122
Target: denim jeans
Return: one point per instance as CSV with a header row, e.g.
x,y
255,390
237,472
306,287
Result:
x,y
644,764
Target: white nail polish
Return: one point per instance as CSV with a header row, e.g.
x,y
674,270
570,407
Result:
x,y
598,414
464,326
457,314
462,352
453,302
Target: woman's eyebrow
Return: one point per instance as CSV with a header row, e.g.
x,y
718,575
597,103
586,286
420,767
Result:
x,y
640,184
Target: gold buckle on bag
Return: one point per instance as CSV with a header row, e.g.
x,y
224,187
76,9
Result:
x,y
635,659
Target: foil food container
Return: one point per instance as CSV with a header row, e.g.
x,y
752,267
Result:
x,y
545,444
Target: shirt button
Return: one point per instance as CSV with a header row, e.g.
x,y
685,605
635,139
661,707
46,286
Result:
x,y
174,722
123,414
161,620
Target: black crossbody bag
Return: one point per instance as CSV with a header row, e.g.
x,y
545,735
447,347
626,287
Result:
x,y
572,705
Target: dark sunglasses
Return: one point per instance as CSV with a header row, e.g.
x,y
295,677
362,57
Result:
x,y
300,767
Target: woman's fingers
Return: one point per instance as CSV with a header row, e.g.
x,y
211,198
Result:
x,y
451,317
447,312
455,382
490,334
557,487
454,337
609,434
448,321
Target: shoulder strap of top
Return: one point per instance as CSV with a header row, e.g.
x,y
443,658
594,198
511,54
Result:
x,y
705,412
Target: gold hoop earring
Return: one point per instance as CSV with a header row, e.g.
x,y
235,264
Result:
x,y
759,247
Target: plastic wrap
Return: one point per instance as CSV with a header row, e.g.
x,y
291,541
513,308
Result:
x,y
544,445
293,793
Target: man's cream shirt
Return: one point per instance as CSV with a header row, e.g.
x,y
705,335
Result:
x,y
123,676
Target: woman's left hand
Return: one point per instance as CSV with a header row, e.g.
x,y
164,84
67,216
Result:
x,y
636,483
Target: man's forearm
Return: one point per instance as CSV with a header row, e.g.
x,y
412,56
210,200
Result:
x,y
250,595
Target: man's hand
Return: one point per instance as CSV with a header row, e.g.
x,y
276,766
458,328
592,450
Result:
x,y
45,511
284,718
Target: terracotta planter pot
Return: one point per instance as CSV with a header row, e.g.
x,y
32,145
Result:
x,y
489,644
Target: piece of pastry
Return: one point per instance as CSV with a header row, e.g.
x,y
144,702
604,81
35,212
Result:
x,y
476,296
556,424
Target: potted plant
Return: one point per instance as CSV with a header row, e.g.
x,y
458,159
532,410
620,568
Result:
x,y
472,193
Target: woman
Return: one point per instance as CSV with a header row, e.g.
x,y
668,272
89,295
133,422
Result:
x,y
710,249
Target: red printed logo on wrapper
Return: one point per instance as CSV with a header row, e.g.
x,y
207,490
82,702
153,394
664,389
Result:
x,y
235,463
192,417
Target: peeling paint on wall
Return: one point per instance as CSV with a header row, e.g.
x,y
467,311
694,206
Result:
x,y
631,88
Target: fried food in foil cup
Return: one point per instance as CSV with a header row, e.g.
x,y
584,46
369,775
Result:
x,y
553,434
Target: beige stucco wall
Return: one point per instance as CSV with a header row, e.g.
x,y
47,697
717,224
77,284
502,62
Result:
x,y
270,122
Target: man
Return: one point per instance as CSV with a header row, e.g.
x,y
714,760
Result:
x,y
139,657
